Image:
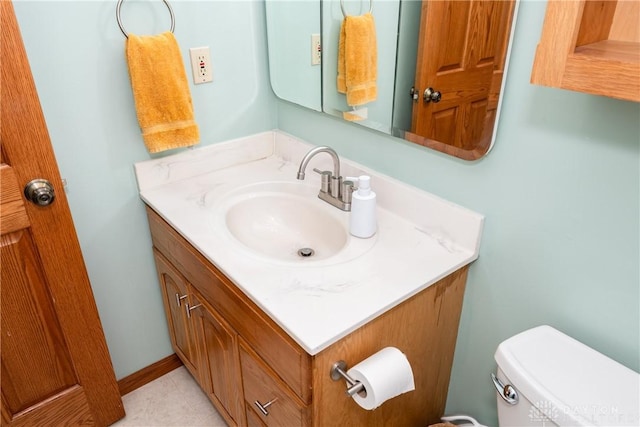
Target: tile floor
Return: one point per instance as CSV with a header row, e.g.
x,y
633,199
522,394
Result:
x,y
171,400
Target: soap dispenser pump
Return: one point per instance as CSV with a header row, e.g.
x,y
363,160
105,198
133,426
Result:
x,y
363,219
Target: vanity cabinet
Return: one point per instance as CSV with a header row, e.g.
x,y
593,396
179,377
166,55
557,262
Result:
x,y
175,298
590,46
204,342
268,399
218,354
255,374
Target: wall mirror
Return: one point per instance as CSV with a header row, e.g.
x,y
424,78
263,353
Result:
x,y
291,26
440,68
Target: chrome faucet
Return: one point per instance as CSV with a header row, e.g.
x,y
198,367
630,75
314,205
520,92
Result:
x,y
332,190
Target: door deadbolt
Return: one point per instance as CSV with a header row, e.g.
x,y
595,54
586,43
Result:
x,y
40,192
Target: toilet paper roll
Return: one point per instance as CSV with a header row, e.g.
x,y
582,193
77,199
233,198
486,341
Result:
x,y
385,374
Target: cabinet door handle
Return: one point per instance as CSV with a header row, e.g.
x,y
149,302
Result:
x,y
263,408
179,299
188,308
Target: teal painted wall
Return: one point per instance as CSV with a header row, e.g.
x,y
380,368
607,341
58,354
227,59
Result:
x,y
76,51
560,190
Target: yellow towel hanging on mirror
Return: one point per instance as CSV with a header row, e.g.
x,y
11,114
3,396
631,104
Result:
x,y
161,92
358,59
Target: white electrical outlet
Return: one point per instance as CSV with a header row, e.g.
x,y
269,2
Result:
x,y
201,64
316,49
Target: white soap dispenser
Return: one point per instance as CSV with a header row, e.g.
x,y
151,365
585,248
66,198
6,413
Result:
x,y
363,219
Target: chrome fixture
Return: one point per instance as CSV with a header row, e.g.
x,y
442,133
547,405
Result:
x,y
428,95
121,25
332,189
40,192
263,408
189,308
306,252
339,370
344,12
506,392
431,95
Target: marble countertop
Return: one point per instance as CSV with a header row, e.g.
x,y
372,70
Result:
x,y
420,239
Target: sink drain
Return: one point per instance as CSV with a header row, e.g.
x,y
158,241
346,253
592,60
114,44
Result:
x,y
306,252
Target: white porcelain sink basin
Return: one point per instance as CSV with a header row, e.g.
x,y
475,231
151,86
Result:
x,y
285,222
285,227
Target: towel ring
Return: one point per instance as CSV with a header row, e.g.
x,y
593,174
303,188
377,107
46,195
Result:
x,y
344,12
119,5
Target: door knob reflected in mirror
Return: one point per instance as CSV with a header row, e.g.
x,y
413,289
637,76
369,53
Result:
x,y
431,95
40,192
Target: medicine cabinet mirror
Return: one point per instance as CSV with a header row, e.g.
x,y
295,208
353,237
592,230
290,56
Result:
x,y
440,69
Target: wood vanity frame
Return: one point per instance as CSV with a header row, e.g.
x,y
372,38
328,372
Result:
x,y
239,355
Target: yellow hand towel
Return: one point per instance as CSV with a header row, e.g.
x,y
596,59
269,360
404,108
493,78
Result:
x,y
161,92
358,59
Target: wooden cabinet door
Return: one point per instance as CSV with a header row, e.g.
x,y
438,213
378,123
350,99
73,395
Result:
x,y
56,368
461,54
278,406
175,290
218,346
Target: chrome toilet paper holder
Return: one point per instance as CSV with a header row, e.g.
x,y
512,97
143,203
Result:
x,y
338,371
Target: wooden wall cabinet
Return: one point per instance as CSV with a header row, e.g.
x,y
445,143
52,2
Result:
x,y
591,46
257,375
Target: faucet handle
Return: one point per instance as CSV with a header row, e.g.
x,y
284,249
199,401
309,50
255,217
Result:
x,y
347,191
325,183
322,172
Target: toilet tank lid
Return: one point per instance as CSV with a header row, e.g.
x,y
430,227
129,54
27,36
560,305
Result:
x,y
566,379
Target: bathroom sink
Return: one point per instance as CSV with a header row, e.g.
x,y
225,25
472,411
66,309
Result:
x,y
285,222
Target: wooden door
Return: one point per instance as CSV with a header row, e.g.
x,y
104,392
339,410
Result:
x,y
220,367
461,55
56,369
175,297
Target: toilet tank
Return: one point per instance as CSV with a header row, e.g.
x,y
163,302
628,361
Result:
x,y
562,381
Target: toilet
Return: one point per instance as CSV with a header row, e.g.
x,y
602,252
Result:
x,y
545,378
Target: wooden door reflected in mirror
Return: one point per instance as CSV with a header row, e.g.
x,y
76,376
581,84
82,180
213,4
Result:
x,y
460,65
456,47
